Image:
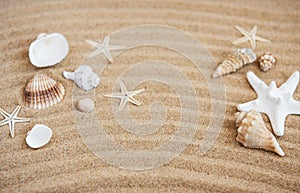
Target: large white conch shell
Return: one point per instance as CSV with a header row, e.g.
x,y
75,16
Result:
x,y
84,77
48,50
38,136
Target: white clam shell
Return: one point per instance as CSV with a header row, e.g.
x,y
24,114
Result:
x,y
48,50
38,136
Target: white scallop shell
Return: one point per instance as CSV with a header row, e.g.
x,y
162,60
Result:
x,y
48,50
84,77
38,136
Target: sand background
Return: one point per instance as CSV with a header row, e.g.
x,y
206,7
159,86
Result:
x,y
67,165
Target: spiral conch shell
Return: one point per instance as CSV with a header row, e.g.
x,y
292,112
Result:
x,y
235,61
42,92
253,133
84,77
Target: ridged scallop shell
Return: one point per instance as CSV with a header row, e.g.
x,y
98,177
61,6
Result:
x,y
253,133
235,61
266,61
42,92
84,77
48,50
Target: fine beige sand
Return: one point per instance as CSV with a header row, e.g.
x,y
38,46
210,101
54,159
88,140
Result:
x,y
66,164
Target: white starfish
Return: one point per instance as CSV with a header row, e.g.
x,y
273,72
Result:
x,y
104,48
11,119
277,103
126,96
249,36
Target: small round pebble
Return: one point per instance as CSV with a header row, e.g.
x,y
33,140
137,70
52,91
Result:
x,y
85,105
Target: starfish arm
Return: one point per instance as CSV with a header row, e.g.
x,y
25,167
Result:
x,y
123,103
106,41
258,85
96,52
107,54
134,101
116,95
116,47
262,39
277,120
135,92
16,111
92,43
123,88
295,107
21,120
291,84
252,43
11,125
254,30
240,40
4,114
4,122
244,32
246,107
272,88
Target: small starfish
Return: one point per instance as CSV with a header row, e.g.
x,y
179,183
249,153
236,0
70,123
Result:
x,y
126,96
104,48
11,119
277,103
249,36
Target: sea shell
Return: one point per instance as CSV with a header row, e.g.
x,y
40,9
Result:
x,y
38,136
85,105
84,77
266,61
48,50
235,61
253,133
42,92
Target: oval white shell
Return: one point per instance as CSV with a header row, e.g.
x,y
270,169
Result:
x,y
48,50
38,136
84,77
85,105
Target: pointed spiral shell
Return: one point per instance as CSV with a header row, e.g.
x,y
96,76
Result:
x,y
235,61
